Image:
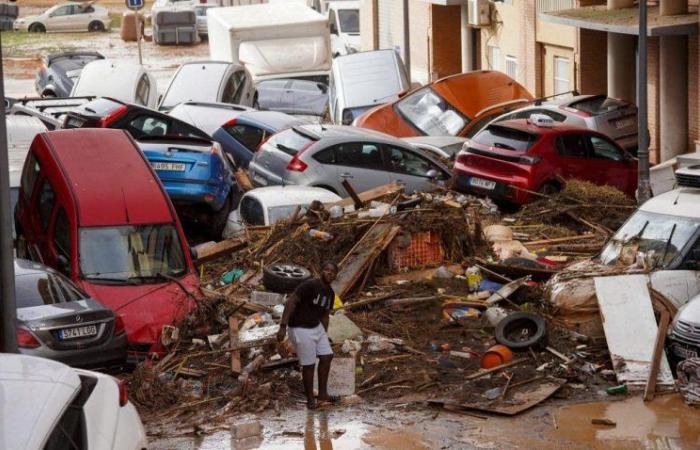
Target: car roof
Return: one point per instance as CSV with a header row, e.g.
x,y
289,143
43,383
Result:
x,y
35,392
109,75
272,196
437,141
525,125
110,179
166,142
272,119
684,202
208,117
347,132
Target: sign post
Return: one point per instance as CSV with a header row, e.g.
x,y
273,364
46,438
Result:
x,y
135,6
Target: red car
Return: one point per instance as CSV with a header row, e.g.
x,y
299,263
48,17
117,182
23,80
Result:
x,y
507,159
91,206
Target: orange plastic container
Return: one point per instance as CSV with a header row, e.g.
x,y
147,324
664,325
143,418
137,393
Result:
x,y
495,356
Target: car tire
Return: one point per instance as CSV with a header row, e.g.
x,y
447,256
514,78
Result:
x,y
283,278
531,328
37,28
220,218
96,26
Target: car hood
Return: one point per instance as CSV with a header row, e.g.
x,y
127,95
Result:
x,y
27,19
34,314
691,312
146,308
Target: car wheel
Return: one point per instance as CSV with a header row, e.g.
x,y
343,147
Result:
x,y
36,28
521,330
96,25
549,189
284,278
220,218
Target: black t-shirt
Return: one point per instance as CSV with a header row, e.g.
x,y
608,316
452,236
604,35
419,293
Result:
x,y
315,298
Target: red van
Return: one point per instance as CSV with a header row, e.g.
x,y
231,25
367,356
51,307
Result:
x,y
91,206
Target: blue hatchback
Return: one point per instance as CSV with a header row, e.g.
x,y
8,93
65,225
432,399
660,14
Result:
x,y
197,176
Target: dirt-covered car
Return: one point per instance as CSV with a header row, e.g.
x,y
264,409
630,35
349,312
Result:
x,y
72,16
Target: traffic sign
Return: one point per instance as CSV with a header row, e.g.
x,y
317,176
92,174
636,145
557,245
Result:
x,y
135,4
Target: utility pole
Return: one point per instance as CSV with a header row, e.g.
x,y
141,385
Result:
x,y
643,183
406,40
8,334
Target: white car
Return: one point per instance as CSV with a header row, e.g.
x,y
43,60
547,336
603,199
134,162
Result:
x,y
46,404
73,16
269,205
120,80
344,20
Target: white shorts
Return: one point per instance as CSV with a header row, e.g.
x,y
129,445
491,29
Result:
x,y
310,343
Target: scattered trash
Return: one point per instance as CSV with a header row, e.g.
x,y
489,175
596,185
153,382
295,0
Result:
x,y
617,390
521,330
496,356
231,276
689,380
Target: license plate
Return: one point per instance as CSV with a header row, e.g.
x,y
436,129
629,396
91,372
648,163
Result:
x,y
171,167
624,123
684,352
260,180
77,332
481,183
74,123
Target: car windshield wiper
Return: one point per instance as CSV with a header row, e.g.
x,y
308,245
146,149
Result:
x,y
96,277
286,149
503,146
668,244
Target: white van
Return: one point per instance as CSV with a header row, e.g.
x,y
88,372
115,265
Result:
x,y
120,80
363,80
344,21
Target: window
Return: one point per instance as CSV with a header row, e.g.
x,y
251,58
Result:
x,y
512,66
290,141
143,89
604,149
62,234
692,259
572,146
148,126
234,88
247,135
505,138
431,114
29,175
252,211
494,57
557,117
349,20
47,200
562,78
333,24
404,161
326,156
356,154
62,11
88,9
44,288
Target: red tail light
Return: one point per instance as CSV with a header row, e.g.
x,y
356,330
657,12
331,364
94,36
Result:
x,y
296,164
107,120
25,339
118,326
123,394
230,123
528,159
462,159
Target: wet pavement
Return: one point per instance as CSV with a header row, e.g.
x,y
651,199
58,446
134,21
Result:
x,y
665,423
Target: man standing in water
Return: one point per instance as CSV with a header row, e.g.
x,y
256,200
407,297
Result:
x,y
306,313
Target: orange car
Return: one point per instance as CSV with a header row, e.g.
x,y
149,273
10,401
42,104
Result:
x,y
453,106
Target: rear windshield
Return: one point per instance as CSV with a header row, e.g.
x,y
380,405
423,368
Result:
x,y
432,114
505,138
37,289
599,105
290,141
101,107
198,82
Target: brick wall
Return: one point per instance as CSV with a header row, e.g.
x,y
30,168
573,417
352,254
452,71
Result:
x,y
445,42
693,93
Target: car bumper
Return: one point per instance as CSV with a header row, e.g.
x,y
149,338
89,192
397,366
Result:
x,y
197,195
109,354
502,189
681,349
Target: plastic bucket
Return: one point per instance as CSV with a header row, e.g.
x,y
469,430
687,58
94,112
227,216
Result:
x,y
495,356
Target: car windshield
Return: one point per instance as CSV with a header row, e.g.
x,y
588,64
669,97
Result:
x,y
505,138
658,236
431,114
43,288
349,20
195,82
132,253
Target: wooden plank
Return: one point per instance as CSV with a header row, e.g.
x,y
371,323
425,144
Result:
x,y
416,275
243,180
650,390
233,339
219,249
369,247
351,192
630,329
372,194
561,239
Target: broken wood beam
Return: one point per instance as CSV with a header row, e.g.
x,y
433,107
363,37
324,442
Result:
x,y
579,237
351,192
372,194
650,388
416,275
558,354
484,372
233,342
219,249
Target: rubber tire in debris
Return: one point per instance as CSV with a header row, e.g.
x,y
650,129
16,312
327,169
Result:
x,y
521,320
284,278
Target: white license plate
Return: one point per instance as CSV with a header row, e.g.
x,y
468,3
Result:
x,y
77,332
260,180
624,123
481,183
684,352
172,167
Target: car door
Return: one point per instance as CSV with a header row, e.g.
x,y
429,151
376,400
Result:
x,y
79,20
233,87
414,171
60,18
26,214
309,97
609,165
572,156
360,163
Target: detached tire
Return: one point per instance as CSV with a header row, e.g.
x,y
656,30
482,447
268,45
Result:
x,y
284,278
521,330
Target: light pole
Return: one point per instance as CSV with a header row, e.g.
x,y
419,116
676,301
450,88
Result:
x,y
643,182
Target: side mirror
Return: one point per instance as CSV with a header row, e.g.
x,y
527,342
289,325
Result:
x,y
334,29
433,174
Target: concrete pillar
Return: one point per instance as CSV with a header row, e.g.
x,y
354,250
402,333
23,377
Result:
x,y
467,39
621,66
619,4
673,7
673,96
